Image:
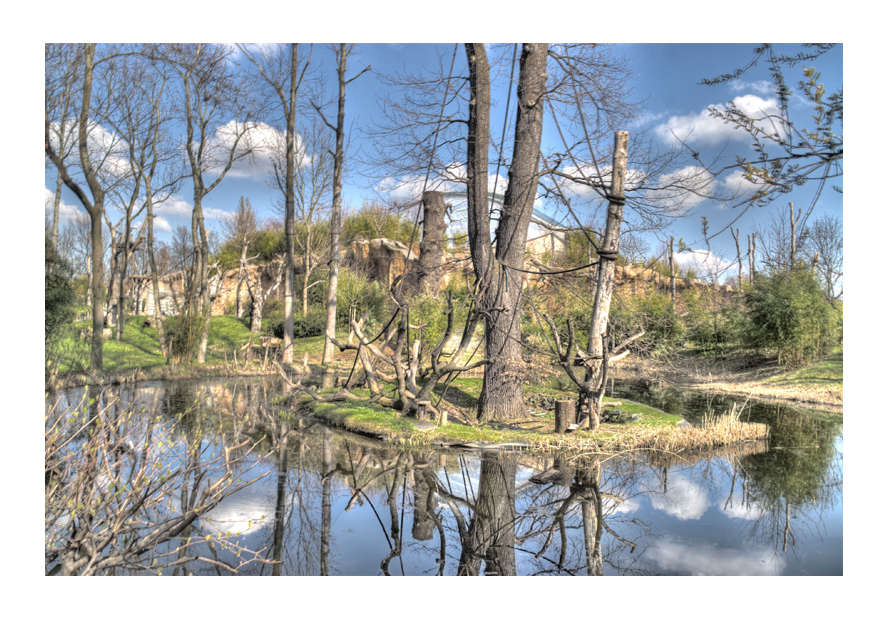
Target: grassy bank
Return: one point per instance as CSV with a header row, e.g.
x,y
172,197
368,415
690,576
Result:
x,y
138,354
818,384
651,429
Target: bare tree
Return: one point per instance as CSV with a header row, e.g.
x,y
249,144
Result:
x,y
313,180
96,163
278,68
240,229
342,53
63,68
499,275
825,248
217,119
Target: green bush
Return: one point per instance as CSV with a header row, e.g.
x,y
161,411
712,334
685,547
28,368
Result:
x,y
788,313
184,332
375,221
273,318
60,298
428,311
355,291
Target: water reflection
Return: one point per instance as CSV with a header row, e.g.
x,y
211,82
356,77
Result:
x,y
335,504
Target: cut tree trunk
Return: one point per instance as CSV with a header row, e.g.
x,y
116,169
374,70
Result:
x,y
565,414
431,249
591,394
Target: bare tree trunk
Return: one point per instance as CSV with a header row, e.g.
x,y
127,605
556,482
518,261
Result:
x,y
672,282
153,266
793,223
735,235
308,269
238,306
752,254
289,271
98,293
591,395
501,396
56,215
334,260
431,249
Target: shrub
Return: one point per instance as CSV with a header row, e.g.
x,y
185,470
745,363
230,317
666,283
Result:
x,y
788,313
375,221
60,298
184,332
273,318
354,291
428,311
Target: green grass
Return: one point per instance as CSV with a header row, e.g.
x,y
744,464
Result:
x,y
827,372
538,432
139,347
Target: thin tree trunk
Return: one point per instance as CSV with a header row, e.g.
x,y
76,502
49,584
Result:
x,y
238,306
597,371
334,261
56,215
289,272
153,266
735,235
752,254
672,282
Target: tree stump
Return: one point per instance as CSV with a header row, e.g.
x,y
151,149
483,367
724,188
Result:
x,y
422,410
564,411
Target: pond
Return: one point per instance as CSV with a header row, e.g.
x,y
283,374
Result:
x,y
331,503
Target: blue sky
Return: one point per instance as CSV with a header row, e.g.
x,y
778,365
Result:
x,y
667,76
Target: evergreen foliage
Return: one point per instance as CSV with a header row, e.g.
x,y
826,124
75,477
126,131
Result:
x,y
60,297
788,313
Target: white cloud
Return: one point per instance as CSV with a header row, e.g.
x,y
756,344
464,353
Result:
x,y
65,212
761,87
264,140
701,128
704,262
179,207
736,183
407,188
703,559
684,499
160,223
683,189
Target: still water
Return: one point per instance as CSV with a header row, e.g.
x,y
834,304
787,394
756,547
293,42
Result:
x,y
335,504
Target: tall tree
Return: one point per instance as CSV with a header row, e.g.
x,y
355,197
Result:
x,y
500,276
96,166
239,230
342,53
278,68
217,121
825,248
63,68
313,180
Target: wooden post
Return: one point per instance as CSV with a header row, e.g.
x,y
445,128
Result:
x,y
564,412
443,417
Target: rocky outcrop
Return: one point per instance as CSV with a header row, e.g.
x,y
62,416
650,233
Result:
x,y
633,276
